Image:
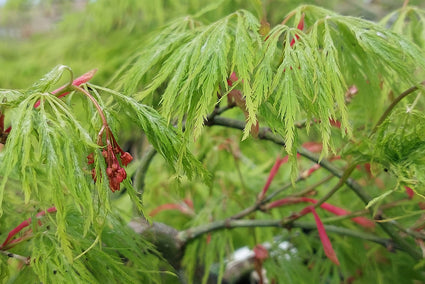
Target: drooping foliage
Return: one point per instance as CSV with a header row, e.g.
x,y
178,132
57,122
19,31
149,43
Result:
x,y
47,154
408,21
324,86
280,82
113,254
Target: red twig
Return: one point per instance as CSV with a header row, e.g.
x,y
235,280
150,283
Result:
x,y
326,206
24,224
183,207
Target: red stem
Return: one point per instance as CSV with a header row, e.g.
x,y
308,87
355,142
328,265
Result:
x,y
273,172
77,82
24,224
95,103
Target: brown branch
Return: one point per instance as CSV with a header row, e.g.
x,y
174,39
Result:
x,y
192,233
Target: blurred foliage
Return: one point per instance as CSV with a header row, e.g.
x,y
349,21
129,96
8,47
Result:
x,y
55,31
103,34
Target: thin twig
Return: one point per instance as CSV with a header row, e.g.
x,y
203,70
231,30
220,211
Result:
x,y
405,3
340,183
312,187
95,103
392,106
365,211
259,203
217,111
289,16
271,195
24,259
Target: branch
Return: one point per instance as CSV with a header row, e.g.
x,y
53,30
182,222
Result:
x,y
140,175
266,134
217,111
95,103
388,243
24,259
259,203
192,233
163,237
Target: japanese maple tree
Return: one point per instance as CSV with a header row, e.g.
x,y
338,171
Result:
x,y
231,125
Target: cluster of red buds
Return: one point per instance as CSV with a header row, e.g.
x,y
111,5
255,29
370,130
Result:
x,y
115,172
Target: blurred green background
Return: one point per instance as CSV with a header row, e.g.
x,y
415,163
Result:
x,y
37,35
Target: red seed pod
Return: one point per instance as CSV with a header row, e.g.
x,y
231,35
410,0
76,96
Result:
x,y
90,159
116,174
121,174
109,172
126,158
114,185
116,150
115,166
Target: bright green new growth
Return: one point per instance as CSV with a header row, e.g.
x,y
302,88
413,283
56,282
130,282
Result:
x,y
43,139
400,147
114,253
185,68
47,150
165,139
188,64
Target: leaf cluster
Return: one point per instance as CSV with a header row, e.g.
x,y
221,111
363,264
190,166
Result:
x,y
187,65
116,254
45,157
409,21
398,147
284,74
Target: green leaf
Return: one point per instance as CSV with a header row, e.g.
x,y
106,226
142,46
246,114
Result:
x,y
49,80
306,80
378,199
164,138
